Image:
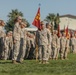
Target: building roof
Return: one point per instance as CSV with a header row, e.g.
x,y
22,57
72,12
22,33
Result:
x,y
69,16
31,29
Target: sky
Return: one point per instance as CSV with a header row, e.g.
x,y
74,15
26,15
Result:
x,y
29,8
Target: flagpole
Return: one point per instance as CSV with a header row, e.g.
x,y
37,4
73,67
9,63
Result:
x,y
37,41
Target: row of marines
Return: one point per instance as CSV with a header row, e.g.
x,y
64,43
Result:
x,y
13,45
51,46
16,45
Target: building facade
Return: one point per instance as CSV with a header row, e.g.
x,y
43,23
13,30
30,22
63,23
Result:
x,y
68,20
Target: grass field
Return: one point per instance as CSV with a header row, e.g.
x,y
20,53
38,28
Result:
x,y
31,67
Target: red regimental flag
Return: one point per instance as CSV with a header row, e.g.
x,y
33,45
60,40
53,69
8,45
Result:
x,y
58,31
67,31
36,21
64,30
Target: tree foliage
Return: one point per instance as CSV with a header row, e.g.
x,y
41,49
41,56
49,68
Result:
x,y
54,19
11,18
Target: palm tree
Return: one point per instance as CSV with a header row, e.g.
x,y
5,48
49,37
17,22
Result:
x,y
12,15
50,18
56,21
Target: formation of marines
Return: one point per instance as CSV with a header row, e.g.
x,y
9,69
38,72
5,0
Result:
x,y
20,44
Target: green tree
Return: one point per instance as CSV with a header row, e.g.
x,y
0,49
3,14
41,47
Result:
x,y
50,18
56,21
11,18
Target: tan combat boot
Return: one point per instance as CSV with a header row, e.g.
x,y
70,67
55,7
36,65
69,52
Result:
x,y
47,62
14,62
44,61
40,62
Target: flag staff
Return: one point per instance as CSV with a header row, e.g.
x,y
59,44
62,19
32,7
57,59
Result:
x,y
36,23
